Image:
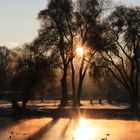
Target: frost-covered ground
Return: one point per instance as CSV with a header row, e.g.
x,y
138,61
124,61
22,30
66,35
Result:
x,y
68,129
36,104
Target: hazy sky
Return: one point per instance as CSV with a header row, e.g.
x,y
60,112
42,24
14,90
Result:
x,y
18,20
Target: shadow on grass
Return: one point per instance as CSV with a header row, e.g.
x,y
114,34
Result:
x,y
45,129
9,121
65,130
121,114
115,104
76,112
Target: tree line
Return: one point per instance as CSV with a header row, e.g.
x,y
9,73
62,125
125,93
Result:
x,y
109,39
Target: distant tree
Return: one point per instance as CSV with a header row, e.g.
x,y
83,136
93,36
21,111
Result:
x,y
32,66
22,75
5,61
7,64
45,66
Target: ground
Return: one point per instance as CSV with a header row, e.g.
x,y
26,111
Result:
x,y
70,129
94,122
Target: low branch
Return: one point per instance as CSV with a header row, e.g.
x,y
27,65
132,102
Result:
x,y
113,73
120,72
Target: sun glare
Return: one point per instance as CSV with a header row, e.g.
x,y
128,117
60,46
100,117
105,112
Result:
x,y
79,51
84,131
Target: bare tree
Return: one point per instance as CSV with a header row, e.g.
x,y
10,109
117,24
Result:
x,y
88,21
122,48
5,61
56,31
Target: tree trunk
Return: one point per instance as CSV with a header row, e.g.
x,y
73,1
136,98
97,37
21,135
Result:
x,y
134,101
79,91
27,93
15,107
81,77
24,104
64,98
73,84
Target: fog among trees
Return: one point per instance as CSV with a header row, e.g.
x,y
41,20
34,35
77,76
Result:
x,y
82,51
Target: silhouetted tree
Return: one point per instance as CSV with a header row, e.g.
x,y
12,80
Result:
x,y
5,60
122,48
33,65
63,26
88,21
45,65
55,30
7,64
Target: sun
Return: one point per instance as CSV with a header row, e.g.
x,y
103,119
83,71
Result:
x,y
79,51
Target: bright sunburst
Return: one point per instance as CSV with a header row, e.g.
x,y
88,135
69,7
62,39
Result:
x,y
79,51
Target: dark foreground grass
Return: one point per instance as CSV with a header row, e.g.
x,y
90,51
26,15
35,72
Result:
x,y
121,114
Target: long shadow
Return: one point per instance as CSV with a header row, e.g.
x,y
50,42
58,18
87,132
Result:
x,y
39,134
6,122
65,129
119,105
121,114
93,113
5,111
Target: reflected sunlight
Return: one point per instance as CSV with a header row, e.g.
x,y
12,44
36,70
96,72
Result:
x,y
79,51
84,131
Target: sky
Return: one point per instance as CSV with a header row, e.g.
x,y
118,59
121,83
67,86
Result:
x,y
18,20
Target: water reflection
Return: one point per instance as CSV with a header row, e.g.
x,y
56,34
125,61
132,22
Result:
x,y
85,131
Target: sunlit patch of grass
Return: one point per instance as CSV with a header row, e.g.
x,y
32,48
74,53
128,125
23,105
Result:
x,y
84,131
